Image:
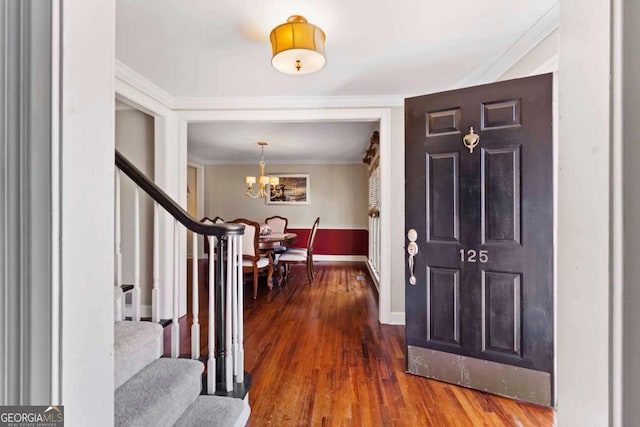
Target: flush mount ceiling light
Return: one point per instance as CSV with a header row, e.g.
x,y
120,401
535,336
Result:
x,y
298,47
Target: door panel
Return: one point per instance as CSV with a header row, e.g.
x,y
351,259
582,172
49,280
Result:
x,y
496,115
500,188
443,122
442,209
443,288
501,318
484,219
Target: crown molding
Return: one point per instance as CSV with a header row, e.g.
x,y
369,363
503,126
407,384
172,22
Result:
x,y
123,106
275,164
287,102
492,69
197,160
137,81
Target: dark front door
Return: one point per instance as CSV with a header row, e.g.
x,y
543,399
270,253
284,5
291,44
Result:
x,y
480,204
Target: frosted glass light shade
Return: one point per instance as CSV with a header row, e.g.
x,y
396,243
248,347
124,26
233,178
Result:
x,y
264,180
274,180
250,180
298,47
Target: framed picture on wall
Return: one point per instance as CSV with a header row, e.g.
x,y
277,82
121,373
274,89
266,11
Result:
x,y
293,189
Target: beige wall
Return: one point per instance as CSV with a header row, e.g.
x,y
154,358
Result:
x,y
338,195
135,139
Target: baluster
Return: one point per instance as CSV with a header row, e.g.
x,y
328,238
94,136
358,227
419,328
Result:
x,y
219,290
211,361
228,360
234,297
375,244
175,326
378,244
155,291
117,280
135,293
240,284
195,326
370,240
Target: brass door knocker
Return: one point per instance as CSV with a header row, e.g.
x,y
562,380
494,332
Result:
x,y
471,139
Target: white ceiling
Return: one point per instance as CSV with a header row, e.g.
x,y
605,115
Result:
x,y
220,49
236,143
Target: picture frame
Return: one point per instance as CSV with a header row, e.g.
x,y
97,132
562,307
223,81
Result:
x,y
293,189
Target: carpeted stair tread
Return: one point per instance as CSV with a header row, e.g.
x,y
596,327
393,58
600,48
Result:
x,y
215,411
136,345
159,394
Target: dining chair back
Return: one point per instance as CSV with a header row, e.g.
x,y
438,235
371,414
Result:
x,y
277,224
312,236
251,259
301,255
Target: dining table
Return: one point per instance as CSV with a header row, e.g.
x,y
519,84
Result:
x,y
272,240
268,243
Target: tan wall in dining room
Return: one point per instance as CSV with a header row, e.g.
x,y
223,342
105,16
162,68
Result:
x,y
135,141
338,195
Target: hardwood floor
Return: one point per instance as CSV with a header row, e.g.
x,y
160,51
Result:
x,y
319,357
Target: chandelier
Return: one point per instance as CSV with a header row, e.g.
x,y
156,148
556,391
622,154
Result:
x,y
298,47
263,179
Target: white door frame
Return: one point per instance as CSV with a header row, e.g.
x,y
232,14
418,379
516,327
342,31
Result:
x,y
382,115
166,168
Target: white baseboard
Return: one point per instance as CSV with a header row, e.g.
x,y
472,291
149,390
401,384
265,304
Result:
x,y
374,275
360,258
145,311
397,318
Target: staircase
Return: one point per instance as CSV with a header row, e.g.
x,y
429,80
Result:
x,y
155,391
151,390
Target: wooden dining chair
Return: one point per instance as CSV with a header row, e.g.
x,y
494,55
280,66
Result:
x,y
251,259
301,255
277,224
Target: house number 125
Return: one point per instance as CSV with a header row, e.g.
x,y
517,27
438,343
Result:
x,y
472,255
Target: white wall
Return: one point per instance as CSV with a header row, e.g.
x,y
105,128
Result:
x,y
541,59
338,195
583,289
398,227
86,203
135,140
631,139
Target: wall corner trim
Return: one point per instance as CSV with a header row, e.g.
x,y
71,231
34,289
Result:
x,y
137,81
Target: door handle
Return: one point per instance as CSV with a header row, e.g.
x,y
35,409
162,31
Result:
x,y
412,250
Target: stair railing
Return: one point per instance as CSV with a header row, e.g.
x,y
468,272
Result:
x,y
225,359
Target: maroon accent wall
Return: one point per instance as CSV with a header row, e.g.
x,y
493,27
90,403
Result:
x,y
333,241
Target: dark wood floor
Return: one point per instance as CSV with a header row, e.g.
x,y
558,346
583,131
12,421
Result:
x,y
319,357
